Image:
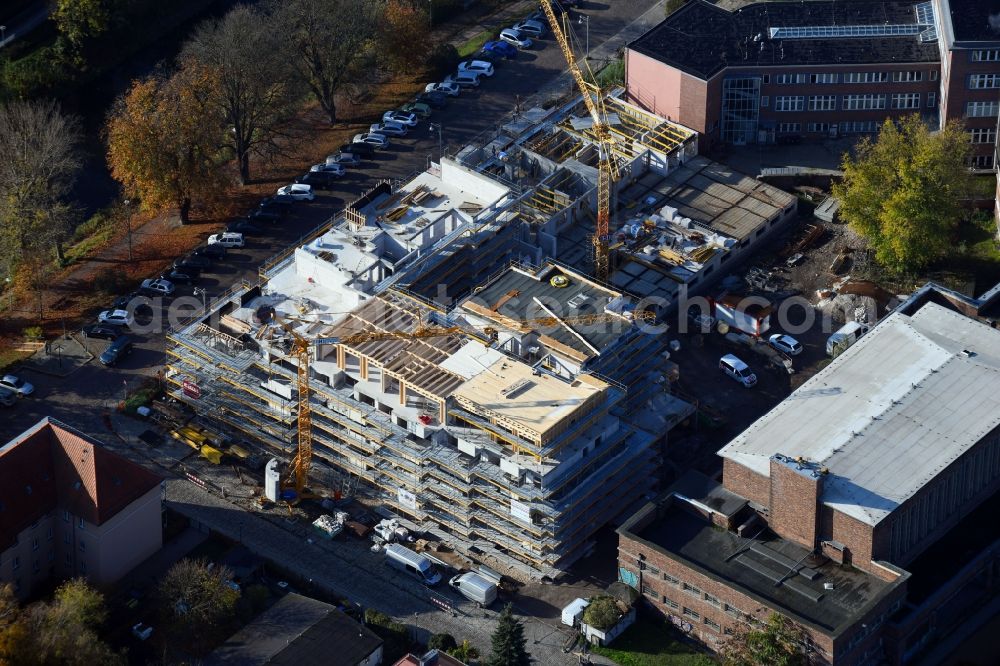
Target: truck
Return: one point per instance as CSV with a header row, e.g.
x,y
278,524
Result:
x,y
475,587
751,315
844,337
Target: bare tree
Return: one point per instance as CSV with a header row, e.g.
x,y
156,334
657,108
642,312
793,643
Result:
x,y
329,39
254,93
41,159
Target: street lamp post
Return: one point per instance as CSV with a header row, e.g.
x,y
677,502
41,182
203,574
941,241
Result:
x,y
198,291
585,20
437,126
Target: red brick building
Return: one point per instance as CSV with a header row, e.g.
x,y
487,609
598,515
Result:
x,y
855,507
785,72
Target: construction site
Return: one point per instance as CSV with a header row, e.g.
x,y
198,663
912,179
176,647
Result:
x,y
473,350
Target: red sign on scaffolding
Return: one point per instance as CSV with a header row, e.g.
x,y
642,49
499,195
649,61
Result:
x,y
190,389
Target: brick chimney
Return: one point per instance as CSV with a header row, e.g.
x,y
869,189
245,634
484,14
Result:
x,y
796,486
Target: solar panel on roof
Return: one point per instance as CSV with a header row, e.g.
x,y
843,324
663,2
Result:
x,y
845,31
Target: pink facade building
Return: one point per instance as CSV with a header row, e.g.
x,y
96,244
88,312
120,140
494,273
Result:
x,y
71,508
787,72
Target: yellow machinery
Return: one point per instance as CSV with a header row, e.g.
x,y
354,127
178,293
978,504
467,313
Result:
x,y
607,166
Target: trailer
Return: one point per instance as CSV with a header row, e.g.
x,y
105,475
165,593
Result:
x,y
749,315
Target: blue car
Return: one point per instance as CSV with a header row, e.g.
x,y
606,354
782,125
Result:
x,y
500,49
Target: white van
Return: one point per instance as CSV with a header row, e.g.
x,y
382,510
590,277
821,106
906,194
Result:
x,y
474,587
844,337
464,79
738,370
228,239
412,563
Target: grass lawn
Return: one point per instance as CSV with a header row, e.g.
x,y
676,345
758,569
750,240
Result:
x,y
475,43
652,642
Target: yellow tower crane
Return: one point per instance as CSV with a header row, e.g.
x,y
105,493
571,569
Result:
x,y
607,165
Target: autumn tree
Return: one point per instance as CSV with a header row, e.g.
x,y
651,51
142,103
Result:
x,y
329,38
402,36
252,92
41,158
903,191
78,21
163,140
508,642
197,596
779,642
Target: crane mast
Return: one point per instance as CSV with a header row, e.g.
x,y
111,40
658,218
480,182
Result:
x,y
607,166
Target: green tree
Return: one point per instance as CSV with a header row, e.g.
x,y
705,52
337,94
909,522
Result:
x,y
508,641
329,40
41,159
80,20
903,191
602,613
777,643
465,653
441,642
163,138
197,597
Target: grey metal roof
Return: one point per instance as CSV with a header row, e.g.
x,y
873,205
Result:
x,y
703,39
888,414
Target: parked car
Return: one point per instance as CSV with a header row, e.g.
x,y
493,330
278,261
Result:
x,y
210,252
142,631
227,239
359,149
500,49
298,191
157,286
244,226
342,160
100,331
531,28
450,89
332,166
480,67
193,262
401,117
278,203
377,140
738,370
421,109
464,79
260,216
7,397
388,129
516,38
115,318
436,99
785,343
180,276
319,180
117,350
17,385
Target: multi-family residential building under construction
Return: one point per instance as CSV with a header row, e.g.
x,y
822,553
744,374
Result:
x,y
464,367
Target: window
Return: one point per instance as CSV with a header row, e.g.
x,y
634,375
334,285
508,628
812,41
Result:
x,y
48,534
653,570
728,631
34,543
79,523
767,78
731,610
691,589
911,76
712,624
786,79
866,77
822,102
978,81
648,591
986,55
669,603
789,103
712,600
859,127
827,77
65,516
981,109
818,128
789,128
863,102
691,614
765,100
934,75
906,100
983,135
83,546
981,162
931,100
670,579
